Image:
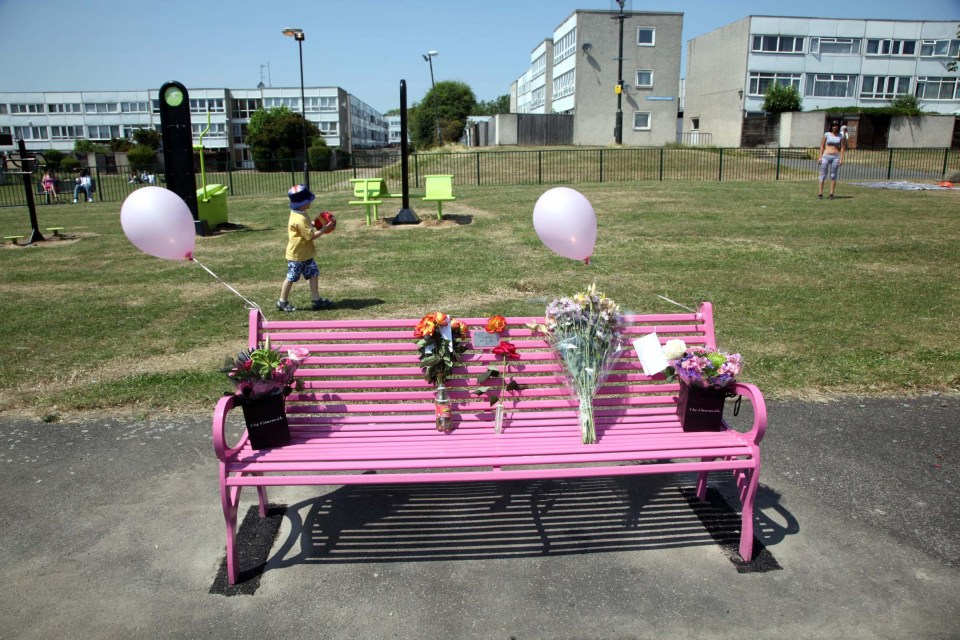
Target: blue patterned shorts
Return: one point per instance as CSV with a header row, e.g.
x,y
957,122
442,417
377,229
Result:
x,y
307,268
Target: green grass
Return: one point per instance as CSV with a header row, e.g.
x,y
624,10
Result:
x,y
854,296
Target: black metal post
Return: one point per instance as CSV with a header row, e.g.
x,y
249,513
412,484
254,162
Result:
x,y
303,112
35,235
406,215
618,123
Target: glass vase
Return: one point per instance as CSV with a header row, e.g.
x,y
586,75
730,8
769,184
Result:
x,y
441,406
498,419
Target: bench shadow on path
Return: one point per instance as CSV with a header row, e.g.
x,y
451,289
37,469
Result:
x,y
470,521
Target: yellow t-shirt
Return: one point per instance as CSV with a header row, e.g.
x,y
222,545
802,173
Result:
x,y
300,233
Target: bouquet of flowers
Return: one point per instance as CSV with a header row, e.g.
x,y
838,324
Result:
x,y
441,343
585,333
264,371
505,351
699,366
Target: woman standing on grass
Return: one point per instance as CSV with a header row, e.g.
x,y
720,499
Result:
x,y
831,157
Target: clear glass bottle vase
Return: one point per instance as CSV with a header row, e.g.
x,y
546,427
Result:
x,y
441,405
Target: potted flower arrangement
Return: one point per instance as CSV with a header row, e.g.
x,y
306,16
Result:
x,y
440,343
584,331
505,351
263,377
704,377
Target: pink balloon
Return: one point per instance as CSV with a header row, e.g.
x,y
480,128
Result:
x,y
157,221
566,223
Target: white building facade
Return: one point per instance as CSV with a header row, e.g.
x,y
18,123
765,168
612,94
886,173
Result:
x,y
56,120
831,62
576,71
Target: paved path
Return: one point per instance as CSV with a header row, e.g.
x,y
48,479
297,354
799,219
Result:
x,y
859,506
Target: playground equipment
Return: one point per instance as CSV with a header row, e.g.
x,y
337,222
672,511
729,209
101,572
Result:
x,y
211,198
26,163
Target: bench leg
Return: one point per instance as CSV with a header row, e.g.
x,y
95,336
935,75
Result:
x,y
262,495
702,478
230,498
439,210
751,481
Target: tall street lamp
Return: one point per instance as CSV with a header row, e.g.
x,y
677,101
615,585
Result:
x,y
618,122
428,56
298,35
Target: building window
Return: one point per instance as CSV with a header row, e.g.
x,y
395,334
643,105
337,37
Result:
x,y
65,108
30,133
931,88
827,85
939,48
333,129
240,132
563,85
68,132
273,103
27,108
777,44
884,87
103,132
835,46
539,66
886,47
133,107
101,107
565,46
203,105
217,130
3,108
644,78
538,97
245,107
695,124
646,36
641,121
761,82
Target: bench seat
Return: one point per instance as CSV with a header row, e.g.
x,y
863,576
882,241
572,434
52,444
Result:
x,y
365,407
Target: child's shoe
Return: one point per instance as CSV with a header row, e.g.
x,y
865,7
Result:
x,y
321,303
283,305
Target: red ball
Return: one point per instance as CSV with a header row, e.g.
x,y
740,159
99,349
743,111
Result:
x,y
324,218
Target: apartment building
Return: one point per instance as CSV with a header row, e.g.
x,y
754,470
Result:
x,y
576,72
55,120
831,62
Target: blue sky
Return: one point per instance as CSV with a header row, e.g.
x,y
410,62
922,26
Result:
x,y
364,46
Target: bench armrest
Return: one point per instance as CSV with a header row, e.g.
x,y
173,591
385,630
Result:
x,y
219,429
759,410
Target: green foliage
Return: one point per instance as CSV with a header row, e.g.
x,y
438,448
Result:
x,y
781,98
120,144
147,138
493,107
54,158
320,155
906,105
454,102
278,134
393,112
88,146
142,158
69,164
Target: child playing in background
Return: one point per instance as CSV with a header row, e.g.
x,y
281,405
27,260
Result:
x,y
300,249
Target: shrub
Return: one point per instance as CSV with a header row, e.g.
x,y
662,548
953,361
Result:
x,y
906,105
142,158
782,98
320,155
54,158
69,164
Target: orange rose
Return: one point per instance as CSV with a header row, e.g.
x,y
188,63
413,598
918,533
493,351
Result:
x,y
496,324
460,328
440,318
424,328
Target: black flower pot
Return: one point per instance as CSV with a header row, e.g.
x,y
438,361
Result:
x,y
266,421
701,408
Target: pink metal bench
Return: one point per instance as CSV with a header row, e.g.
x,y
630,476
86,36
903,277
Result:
x,y
367,408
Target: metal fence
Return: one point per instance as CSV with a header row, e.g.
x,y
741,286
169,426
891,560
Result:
x,y
560,166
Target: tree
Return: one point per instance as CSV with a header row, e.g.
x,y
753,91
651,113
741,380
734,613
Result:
x,y
493,107
906,104
393,112
455,101
142,157
277,134
147,138
781,98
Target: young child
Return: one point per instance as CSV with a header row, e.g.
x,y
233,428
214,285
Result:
x,y
300,249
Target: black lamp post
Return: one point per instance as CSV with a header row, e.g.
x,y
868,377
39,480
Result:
x,y
298,35
428,56
618,123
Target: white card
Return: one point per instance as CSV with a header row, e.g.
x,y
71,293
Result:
x,y
483,340
447,332
650,352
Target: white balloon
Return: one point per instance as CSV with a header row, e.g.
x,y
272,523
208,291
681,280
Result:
x,y
565,221
157,221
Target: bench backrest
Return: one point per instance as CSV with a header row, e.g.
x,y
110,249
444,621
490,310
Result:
x,y
366,188
358,369
439,186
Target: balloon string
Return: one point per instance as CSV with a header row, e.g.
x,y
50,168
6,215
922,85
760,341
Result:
x,y
682,306
252,305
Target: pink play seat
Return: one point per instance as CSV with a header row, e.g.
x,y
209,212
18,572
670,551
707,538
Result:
x,y
366,407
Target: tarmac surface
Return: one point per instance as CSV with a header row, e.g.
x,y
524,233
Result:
x,y
112,528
